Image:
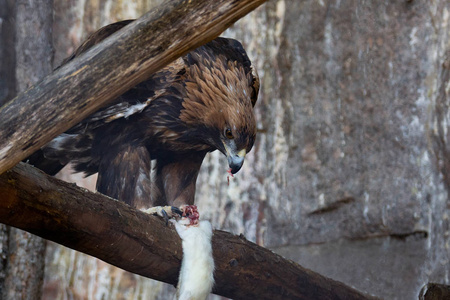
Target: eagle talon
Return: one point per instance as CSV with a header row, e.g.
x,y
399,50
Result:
x,y
176,210
165,212
165,217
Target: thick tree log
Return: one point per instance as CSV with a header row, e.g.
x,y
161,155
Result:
x,y
83,85
120,235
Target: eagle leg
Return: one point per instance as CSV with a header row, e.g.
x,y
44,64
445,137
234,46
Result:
x,y
177,176
124,174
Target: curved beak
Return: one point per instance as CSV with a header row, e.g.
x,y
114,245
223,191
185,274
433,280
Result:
x,y
236,160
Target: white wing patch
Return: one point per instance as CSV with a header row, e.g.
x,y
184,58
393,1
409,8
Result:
x,y
127,111
60,142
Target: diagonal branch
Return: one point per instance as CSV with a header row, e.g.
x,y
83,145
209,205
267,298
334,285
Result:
x,y
109,69
120,235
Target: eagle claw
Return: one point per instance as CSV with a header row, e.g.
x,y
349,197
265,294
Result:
x,y
176,210
165,212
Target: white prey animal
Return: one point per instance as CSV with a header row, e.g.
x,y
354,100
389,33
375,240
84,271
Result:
x,y
197,267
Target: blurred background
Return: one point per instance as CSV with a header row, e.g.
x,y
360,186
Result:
x,y
349,175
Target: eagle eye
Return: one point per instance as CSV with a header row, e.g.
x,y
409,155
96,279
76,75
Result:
x,y
228,134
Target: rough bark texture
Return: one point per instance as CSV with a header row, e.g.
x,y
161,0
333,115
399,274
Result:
x,y
107,70
349,175
33,42
5,82
433,291
7,51
142,244
25,266
26,58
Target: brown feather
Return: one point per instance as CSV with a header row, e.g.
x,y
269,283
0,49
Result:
x,y
218,95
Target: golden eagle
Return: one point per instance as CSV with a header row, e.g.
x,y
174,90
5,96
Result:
x,y
199,103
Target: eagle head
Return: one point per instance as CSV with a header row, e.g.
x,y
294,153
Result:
x,y
222,90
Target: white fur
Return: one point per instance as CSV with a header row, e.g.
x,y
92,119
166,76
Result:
x,y
197,267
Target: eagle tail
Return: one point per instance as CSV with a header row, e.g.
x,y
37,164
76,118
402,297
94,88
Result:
x,y
63,149
49,166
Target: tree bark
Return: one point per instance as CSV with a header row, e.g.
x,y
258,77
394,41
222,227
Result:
x,y
7,84
29,55
7,51
25,266
103,73
434,291
118,234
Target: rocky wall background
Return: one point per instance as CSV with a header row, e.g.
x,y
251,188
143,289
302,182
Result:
x,y
350,172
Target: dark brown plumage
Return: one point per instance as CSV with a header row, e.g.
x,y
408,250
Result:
x,y
199,103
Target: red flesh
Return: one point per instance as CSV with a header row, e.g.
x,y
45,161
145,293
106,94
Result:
x,y
230,174
191,212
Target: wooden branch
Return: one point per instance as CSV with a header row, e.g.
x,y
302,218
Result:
x,y
134,241
85,84
434,291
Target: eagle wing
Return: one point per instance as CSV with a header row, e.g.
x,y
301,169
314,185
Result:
x,y
124,172
137,98
75,144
